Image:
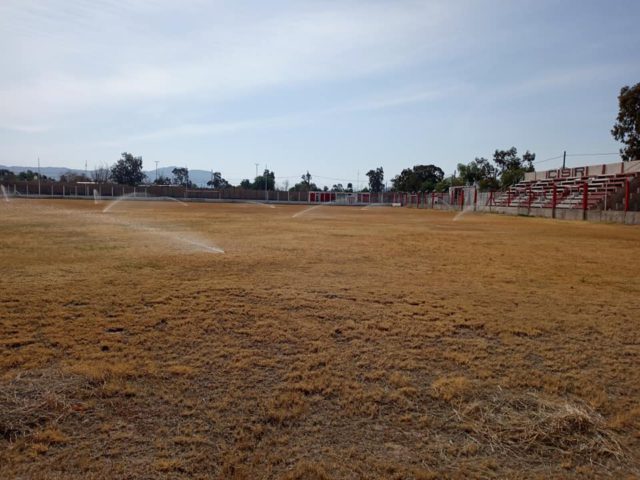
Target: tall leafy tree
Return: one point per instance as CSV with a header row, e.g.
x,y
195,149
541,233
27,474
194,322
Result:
x,y
376,180
420,178
71,177
128,170
306,185
181,176
162,180
480,172
218,182
627,127
306,180
7,174
269,177
30,175
512,167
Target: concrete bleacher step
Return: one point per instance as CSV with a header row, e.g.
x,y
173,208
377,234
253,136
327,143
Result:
x,y
568,192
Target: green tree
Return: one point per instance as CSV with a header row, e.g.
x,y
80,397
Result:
x,y
306,185
128,170
443,185
337,188
306,180
181,176
218,182
511,167
420,178
71,177
269,177
246,184
7,174
480,172
376,180
627,127
162,180
30,175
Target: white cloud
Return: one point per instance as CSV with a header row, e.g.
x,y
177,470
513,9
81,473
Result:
x,y
26,128
389,100
103,55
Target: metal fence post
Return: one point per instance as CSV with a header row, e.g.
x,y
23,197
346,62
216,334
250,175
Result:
x,y
585,199
627,195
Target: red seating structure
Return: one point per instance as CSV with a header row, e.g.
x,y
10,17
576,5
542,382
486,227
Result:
x,y
588,193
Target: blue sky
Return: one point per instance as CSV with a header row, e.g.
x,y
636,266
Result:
x,y
333,87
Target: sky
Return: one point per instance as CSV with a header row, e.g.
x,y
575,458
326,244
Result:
x,y
335,88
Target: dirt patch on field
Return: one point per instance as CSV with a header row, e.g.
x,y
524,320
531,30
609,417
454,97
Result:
x,y
237,341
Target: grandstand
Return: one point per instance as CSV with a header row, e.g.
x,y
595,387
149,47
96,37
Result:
x,y
609,192
598,187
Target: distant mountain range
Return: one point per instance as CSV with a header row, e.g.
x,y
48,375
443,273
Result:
x,y
199,177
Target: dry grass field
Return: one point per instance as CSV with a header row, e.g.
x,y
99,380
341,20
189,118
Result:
x,y
338,342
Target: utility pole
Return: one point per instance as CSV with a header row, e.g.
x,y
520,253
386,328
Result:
x,y
564,159
156,170
257,169
38,176
266,181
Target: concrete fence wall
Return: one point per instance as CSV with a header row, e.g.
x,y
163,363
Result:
x,y
465,199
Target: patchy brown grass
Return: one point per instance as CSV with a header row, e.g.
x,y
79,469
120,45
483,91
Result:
x,y
342,343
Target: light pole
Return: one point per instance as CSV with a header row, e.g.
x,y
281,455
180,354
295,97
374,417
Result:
x,y
156,170
38,176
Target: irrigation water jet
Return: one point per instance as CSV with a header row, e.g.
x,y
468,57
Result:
x,y
184,204
255,202
118,200
302,212
4,193
462,213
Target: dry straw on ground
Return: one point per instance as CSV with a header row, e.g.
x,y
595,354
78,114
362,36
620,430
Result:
x,y
340,343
